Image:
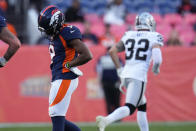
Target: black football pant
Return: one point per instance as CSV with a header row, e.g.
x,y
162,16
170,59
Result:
x,y
112,96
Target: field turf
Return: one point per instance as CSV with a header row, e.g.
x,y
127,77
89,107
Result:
x,y
182,126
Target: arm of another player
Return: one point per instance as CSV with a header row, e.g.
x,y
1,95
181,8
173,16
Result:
x,y
84,53
119,47
157,58
12,41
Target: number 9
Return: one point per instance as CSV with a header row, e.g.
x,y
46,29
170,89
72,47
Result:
x,y
52,52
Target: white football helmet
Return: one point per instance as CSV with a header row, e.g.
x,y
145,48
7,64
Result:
x,y
145,21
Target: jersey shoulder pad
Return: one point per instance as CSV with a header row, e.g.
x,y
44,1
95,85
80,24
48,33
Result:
x,y
71,32
158,38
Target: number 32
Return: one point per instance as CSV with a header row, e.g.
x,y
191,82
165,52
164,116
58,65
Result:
x,y
130,44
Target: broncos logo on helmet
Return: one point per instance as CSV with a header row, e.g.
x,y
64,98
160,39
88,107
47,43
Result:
x,y
50,20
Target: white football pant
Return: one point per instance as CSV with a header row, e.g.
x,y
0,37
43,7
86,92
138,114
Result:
x,y
60,96
135,92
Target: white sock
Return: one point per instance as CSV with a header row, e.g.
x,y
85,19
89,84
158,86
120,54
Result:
x,y
118,114
142,121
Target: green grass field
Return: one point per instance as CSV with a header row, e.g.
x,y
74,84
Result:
x,y
187,126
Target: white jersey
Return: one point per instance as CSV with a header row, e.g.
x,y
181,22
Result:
x,y
138,51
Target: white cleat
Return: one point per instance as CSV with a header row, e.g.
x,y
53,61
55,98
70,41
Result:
x,y
101,123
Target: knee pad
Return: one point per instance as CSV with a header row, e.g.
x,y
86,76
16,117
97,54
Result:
x,y
131,108
142,108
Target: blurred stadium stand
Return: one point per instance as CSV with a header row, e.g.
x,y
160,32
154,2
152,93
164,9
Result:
x,y
164,12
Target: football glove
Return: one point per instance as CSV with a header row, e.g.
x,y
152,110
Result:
x,y
122,84
75,70
2,61
122,80
119,71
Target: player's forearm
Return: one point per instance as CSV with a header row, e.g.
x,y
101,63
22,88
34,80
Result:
x,y
84,53
80,60
11,40
114,55
13,47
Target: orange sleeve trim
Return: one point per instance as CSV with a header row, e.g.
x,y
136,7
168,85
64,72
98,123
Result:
x,y
61,92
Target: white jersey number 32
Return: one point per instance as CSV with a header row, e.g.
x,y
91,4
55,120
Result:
x,y
140,52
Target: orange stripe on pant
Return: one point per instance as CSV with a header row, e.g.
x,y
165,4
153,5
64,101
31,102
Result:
x,y
61,92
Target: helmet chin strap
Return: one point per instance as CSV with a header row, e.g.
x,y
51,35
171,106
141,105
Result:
x,y
41,29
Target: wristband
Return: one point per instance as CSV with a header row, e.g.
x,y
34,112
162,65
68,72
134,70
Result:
x,y
67,66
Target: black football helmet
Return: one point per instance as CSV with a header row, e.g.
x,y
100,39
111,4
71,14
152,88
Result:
x,y
50,20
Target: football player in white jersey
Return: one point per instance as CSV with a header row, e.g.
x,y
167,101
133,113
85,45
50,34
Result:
x,y
140,47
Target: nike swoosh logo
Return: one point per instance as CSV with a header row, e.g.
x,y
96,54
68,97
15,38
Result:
x,y
72,31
